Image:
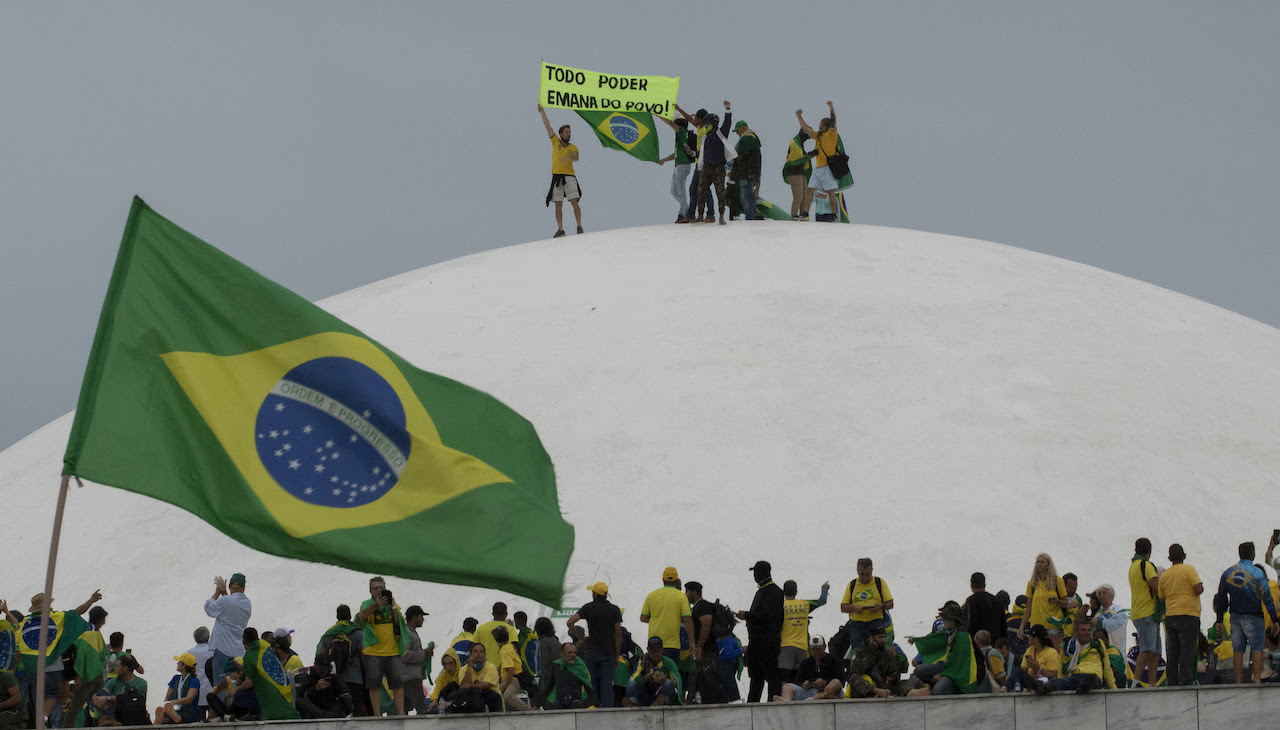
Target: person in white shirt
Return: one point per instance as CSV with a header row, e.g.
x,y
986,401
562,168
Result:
x,y
230,609
1112,617
202,652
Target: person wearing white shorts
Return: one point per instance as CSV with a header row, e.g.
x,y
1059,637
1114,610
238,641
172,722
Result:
x,y
564,184
825,143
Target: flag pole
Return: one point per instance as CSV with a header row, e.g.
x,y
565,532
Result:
x,y
45,610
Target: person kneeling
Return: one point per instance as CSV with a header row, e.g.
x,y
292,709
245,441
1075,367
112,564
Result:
x,y
817,677
649,685
324,694
475,691
568,686
1085,664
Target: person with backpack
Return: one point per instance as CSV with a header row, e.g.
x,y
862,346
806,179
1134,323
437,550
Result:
x,y
1146,613
125,695
795,628
867,599
764,634
322,693
827,147
709,624
342,642
603,641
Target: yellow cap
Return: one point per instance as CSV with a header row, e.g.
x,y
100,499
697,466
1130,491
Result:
x,y
670,574
189,659
599,588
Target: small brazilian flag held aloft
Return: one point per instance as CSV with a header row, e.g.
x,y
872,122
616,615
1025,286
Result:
x,y
631,132
216,390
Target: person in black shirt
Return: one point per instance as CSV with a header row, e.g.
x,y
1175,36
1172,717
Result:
x,y
982,608
324,694
703,612
764,634
603,641
817,677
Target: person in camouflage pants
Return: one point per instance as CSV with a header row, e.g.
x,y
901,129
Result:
x,y
876,669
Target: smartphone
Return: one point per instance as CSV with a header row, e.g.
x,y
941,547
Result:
x,y
1275,537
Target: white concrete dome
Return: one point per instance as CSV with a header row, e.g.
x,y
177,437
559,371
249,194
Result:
x,y
803,394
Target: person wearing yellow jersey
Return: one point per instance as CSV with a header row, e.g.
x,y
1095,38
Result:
x,y
1041,661
1144,581
865,600
1180,589
509,667
477,684
666,610
564,183
795,628
446,681
825,144
1085,664
383,631
1046,592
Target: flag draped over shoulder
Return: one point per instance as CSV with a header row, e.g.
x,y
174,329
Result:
x,y
271,684
219,391
959,661
8,644
63,630
631,132
91,655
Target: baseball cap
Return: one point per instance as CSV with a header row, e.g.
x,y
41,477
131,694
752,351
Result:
x,y
655,641
878,627
817,640
237,579
96,614
600,589
188,658
741,123
761,565
701,113
670,574
282,631
415,611
1039,632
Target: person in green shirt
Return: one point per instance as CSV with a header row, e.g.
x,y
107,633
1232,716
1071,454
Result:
x,y
13,708
126,679
685,156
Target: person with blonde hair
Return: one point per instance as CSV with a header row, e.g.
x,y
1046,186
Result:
x,y
1045,594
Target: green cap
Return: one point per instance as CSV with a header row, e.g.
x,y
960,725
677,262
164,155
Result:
x,y
741,123
237,579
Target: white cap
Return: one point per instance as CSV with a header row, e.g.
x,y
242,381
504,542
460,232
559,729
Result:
x,y
817,640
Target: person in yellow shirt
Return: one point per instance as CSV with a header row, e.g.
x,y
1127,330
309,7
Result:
x,y
666,610
1180,588
384,636
446,681
1041,661
865,599
1144,581
485,631
509,668
826,145
478,684
1085,664
1046,592
564,183
795,628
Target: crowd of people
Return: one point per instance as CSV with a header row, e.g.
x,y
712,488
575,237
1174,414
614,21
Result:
x,y
372,660
715,174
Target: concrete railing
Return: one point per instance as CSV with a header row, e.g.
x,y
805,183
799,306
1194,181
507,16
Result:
x,y
1197,708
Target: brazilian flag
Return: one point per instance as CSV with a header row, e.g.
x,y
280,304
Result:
x,y
958,660
63,629
844,209
219,391
91,655
271,684
8,644
765,209
846,181
631,132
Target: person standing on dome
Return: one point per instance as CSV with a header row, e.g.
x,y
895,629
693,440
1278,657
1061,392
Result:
x,y
684,157
1045,593
826,145
746,169
764,634
716,152
230,610
564,183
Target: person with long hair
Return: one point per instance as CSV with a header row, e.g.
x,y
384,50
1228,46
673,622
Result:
x,y
1045,595
1041,661
180,704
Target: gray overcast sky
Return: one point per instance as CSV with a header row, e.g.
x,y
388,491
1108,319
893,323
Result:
x,y
329,145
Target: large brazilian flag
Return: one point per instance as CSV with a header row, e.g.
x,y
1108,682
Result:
x,y
631,132
221,392
272,685
63,628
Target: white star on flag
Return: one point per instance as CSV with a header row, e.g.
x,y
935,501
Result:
x,y
279,407
294,464
319,467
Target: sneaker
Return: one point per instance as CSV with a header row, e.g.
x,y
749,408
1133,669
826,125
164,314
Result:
x,y
804,215
796,218
579,229
684,220
559,234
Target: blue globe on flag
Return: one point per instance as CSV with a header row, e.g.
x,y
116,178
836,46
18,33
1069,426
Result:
x,y
332,433
624,129
31,633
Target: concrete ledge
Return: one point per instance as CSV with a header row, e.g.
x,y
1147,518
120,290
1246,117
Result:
x,y
1194,708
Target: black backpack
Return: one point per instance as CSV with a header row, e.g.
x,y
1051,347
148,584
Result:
x,y
131,708
722,620
341,652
